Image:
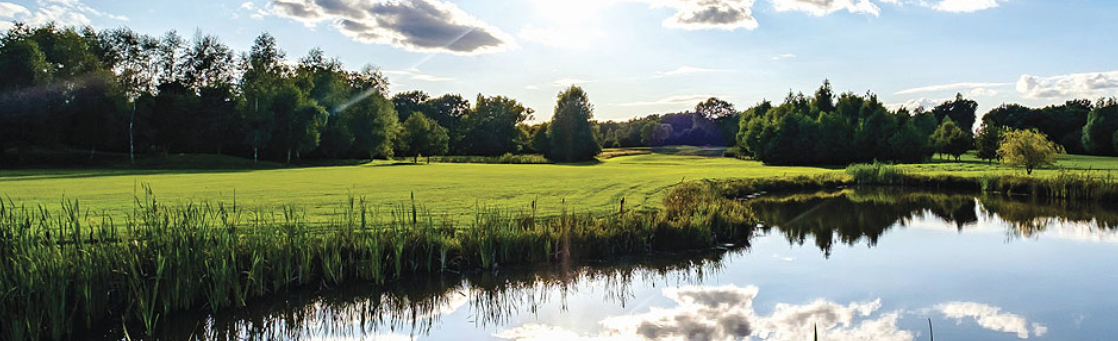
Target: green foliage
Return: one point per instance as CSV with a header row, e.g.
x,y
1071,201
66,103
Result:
x,y
1099,130
987,141
961,110
951,140
1062,123
422,136
1028,149
491,127
855,129
570,136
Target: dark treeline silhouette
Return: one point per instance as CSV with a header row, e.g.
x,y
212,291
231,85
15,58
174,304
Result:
x,y
121,91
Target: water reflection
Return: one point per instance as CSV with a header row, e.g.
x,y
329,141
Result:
x,y
853,215
670,296
410,309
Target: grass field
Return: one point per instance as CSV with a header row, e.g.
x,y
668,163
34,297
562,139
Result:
x,y
456,189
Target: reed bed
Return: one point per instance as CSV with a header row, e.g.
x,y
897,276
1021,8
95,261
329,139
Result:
x,y
1062,185
65,271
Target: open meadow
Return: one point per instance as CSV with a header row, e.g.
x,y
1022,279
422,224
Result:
x,y
457,189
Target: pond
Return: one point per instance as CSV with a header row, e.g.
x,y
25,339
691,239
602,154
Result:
x,y
852,264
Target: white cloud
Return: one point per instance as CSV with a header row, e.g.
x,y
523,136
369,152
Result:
x,y
255,12
61,12
726,15
825,7
913,104
982,92
950,87
10,10
726,313
679,99
686,70
965,6
991,318
784,56
1080,85
415,74
414,25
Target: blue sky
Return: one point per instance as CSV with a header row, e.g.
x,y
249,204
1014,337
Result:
x,y
637,57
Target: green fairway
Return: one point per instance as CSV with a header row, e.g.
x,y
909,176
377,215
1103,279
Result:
x,y
441,188
444,188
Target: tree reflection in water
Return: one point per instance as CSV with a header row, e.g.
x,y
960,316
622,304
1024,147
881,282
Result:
x,y
416,306
853,215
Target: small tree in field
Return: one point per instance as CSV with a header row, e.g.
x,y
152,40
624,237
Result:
x,y
424,136
1029,149
951,140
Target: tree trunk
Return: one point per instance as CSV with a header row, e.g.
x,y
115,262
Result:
x,y
289,156
92,151
255,153
416,158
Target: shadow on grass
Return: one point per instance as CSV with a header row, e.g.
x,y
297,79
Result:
x,y
71,164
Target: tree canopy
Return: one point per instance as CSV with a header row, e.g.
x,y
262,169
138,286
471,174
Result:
x,y
1028,149
570,135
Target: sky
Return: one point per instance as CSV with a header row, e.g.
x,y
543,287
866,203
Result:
x,y
637,57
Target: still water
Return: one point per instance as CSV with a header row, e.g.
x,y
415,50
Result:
x,y
866,264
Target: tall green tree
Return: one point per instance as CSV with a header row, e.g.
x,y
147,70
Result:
x,y
1102,123
374,124
570,134
949,139
492,126
961,110
264,74
988,140
423,136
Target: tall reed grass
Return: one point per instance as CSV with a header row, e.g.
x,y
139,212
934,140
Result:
x,y
66,271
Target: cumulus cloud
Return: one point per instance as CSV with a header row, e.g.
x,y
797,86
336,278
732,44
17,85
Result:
x,y
726,313
414,25
62,12
824,7
679,99
991,318
1096,84
254,12
712,14
916,103
965,6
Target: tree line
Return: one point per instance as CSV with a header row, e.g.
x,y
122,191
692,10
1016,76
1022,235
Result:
x,y
121,91
118,90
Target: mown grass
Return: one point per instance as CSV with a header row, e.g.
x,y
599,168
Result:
x,y
62,274
445,188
